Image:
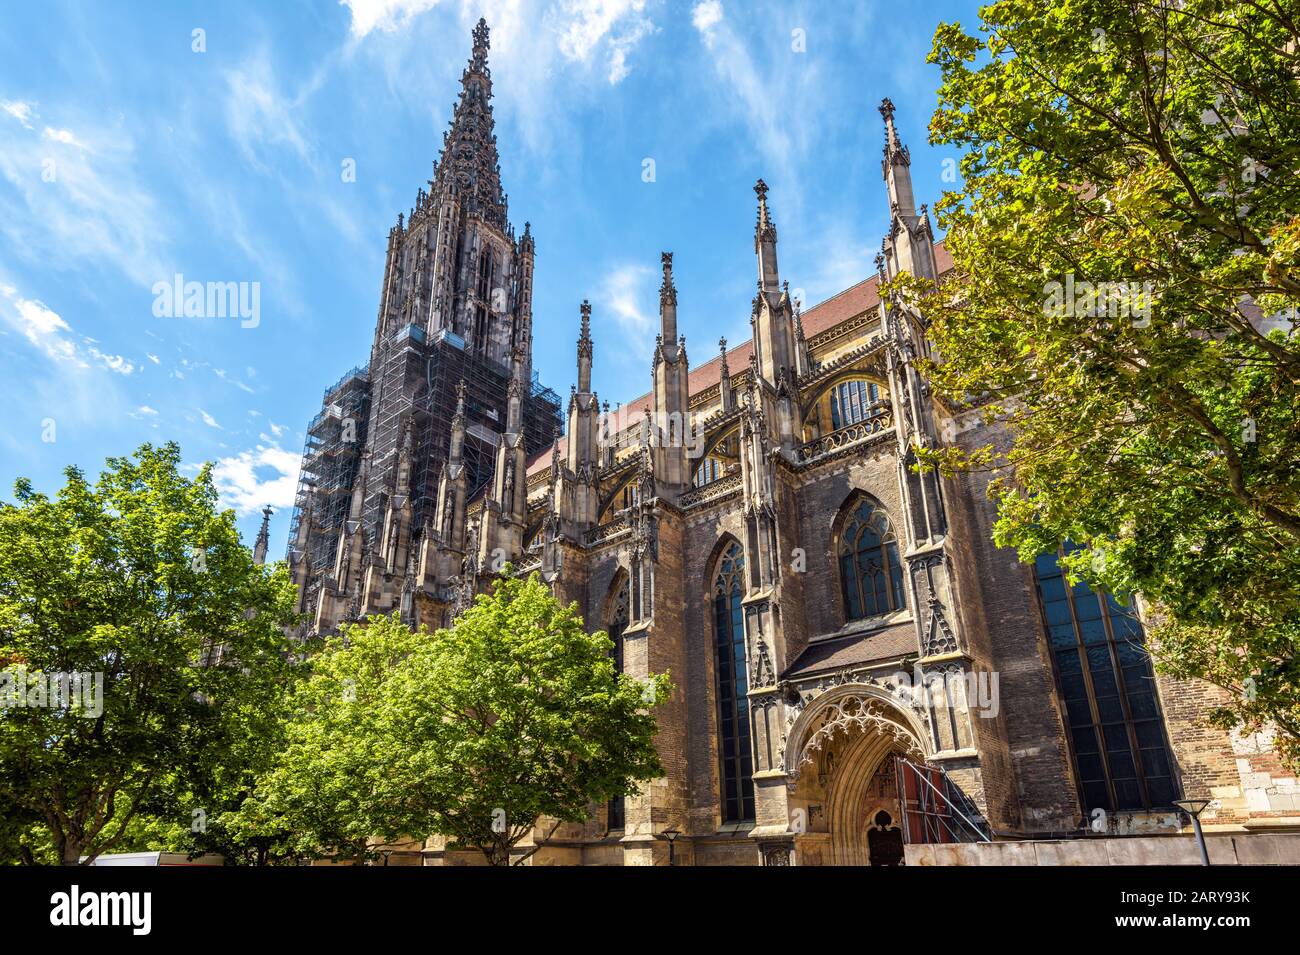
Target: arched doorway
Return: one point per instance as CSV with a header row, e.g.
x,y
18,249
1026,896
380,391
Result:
x,y
841,753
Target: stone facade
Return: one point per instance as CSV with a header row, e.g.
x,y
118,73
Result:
x,y
722,508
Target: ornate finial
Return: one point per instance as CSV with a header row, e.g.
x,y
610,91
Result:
x,y
895,151
460,397
764,229
667,291
481,37
585,308
722,347
263,537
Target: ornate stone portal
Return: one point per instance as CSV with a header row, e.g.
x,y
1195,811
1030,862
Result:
x,y
839,764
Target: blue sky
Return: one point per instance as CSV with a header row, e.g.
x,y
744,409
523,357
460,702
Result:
x,y
127,157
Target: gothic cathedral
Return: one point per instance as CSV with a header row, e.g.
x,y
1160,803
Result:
x,y
856,665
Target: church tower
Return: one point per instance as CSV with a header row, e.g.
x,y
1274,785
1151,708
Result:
x,y
446,404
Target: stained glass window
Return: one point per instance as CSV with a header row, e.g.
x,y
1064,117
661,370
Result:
x,y
1108,692
870,571
737,761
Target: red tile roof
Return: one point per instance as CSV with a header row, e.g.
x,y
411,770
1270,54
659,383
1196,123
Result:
x,y
888,644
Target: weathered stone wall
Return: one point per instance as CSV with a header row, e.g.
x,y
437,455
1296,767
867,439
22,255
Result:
x,y
1242,849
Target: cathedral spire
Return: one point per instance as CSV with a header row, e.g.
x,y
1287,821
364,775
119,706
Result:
x,y
667,301
725,394
478,62
469,165
263,537
909,244
896,166
765,244
584,349
457,447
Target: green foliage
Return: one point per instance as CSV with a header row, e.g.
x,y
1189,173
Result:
x,y
517,711
514,714
1156,145
337,788
140,582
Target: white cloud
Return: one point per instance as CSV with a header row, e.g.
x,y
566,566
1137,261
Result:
x,y
622,293
760,103
258,114
46,330
19,110
706,15
210,421
622,45
64,136
112,362
585,25
80,197
153,358
146,410
546,56
250,480
385,15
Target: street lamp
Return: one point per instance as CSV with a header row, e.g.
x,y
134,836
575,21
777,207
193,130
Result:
x,y
1194,808
670,835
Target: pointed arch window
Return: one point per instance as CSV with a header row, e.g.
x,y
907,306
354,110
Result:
x,y
710,470
617,623
736,775
1122,759
852,401
721,461
870,571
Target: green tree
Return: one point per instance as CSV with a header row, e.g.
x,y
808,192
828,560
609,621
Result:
x,y
141,584
517,714
1154,147
513,715
337,788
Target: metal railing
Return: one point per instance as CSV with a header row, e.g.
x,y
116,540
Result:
x,y
360,371
880,419
934,807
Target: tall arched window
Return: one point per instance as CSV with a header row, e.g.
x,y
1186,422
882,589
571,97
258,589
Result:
x,y
1121,756
737,761
870,571
851,401
617,617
